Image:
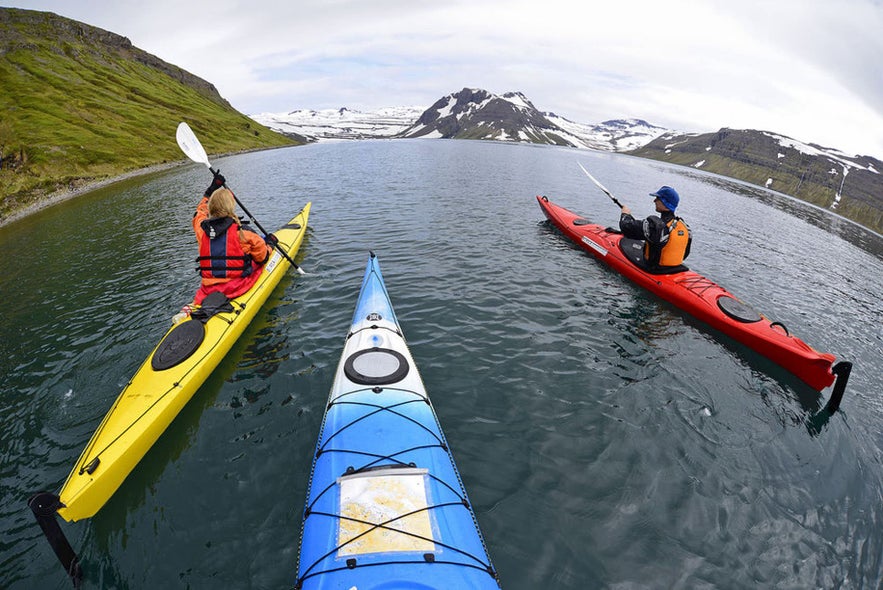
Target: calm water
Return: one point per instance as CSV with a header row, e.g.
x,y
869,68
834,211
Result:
x,y
606,439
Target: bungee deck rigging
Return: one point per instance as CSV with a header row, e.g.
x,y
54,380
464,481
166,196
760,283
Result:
x,y
386,506
194,334
373,462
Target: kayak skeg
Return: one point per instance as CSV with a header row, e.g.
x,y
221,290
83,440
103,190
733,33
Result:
x,y
385,506
707,301
165,382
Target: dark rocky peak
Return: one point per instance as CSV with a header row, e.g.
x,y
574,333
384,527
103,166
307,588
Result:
x,y
628,124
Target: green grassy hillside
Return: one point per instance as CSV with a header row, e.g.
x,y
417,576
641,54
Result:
x,y
79,104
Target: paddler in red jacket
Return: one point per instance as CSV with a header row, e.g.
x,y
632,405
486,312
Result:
x,y
231,257
666,237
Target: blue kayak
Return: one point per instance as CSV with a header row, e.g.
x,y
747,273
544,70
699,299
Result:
x,y
386,507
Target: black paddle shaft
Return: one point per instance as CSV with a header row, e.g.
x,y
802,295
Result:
x,y
618,204
250,216
44,505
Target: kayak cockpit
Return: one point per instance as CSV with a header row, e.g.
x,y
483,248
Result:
x,y
186,338
634,253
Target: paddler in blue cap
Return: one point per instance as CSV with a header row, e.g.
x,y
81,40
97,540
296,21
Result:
x,y
666,237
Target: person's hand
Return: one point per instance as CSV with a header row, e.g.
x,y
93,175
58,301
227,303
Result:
x,y
626,210
217,182
271,240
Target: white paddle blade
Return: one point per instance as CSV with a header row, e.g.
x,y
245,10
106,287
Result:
x,y
190,145
598,184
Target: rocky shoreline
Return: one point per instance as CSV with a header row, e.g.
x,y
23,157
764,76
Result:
x,y
69,193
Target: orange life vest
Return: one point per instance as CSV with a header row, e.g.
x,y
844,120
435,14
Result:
x,y
220,254
675,242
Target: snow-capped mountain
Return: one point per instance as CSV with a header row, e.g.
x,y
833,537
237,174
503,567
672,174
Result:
x,y
620,135
468,114
478,114
342,123
826,177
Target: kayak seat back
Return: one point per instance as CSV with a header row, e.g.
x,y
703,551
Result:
x,y
213,304
181,342
634,252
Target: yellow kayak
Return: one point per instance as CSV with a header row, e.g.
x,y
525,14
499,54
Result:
x,y
176,368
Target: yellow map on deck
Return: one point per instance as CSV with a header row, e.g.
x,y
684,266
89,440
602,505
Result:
x,y
379,497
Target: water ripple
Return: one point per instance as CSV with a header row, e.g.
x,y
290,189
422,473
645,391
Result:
x,y
605,438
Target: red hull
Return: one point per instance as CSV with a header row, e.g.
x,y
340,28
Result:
x,y
698,296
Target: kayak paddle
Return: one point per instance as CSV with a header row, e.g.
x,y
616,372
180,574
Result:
x,y
601,186
191,147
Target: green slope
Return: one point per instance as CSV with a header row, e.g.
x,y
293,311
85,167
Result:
x,y
760,158
78,104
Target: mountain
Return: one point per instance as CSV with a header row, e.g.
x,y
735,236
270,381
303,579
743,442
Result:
x,y
468,114
342,123
478,114
619,135
850,185
81,104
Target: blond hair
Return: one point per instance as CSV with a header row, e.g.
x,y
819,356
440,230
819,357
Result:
x,y
222,204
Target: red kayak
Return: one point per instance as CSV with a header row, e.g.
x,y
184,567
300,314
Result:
x,y
707,301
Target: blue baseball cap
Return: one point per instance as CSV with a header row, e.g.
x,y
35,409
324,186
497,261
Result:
x,y
668,196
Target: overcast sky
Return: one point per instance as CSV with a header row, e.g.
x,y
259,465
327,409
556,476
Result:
x,y
809,69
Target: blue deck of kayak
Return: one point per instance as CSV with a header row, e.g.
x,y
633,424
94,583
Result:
x,y
386,433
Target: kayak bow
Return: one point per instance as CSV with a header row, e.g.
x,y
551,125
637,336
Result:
x,y
707,301
164,383
386,507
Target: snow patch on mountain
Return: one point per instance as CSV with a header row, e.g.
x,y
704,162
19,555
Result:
x,y
620,135
836,156
342,123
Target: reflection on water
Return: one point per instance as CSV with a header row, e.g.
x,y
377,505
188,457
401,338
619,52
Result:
x,y
857,235
606,439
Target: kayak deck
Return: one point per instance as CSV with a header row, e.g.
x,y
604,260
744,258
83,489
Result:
x,y
708,302
157,392
386,506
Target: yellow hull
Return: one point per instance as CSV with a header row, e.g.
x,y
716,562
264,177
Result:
x,y
152,399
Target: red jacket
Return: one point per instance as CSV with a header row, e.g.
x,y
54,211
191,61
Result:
x,y
223,264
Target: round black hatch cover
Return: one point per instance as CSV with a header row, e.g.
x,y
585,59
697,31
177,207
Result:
x,y
178,345
375,366
581,221
737,310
